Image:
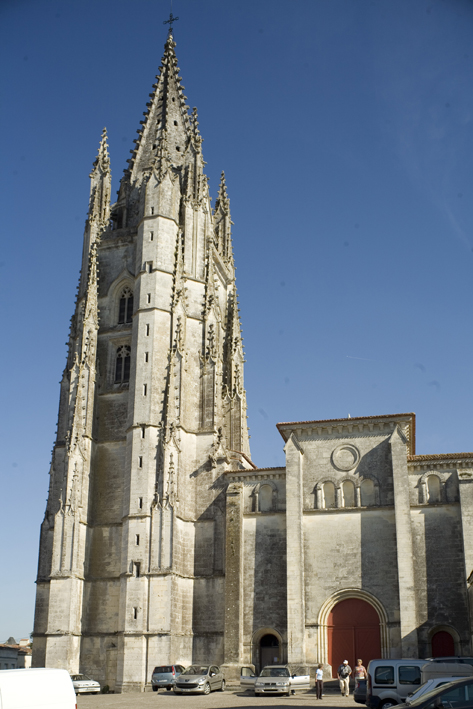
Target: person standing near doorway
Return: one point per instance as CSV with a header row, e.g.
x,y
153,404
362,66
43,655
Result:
x,y
343,674
319,681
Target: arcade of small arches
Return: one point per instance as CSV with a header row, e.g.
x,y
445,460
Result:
x,y
346,493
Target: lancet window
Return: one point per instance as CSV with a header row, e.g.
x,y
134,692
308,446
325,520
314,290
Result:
x,y
122,364
125,308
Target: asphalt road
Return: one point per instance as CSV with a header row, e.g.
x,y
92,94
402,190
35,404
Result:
x,y
229,698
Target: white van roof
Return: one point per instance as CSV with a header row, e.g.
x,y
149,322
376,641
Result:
x,y
36,688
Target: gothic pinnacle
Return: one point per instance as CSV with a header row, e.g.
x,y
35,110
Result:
x,y
102,160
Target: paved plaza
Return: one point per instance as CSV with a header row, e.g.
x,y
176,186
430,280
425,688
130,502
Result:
x,y
229,698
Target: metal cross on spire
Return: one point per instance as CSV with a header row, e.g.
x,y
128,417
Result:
x,y
170,21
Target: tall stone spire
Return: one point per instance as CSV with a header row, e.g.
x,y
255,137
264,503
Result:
x,y
166,111
152,409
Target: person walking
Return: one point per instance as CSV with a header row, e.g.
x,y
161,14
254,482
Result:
x,y
360,671
343,674
319,681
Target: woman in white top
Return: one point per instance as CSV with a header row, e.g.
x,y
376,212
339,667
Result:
x,y
319,681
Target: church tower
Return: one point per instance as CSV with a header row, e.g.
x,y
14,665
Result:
x,y
152,414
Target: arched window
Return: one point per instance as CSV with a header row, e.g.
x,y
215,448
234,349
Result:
x,y
125,310
122,364
348,494
367,493
329,499
433,488
265,498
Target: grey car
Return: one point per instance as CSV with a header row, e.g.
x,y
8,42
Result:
x,y
274,679
164,676
200,678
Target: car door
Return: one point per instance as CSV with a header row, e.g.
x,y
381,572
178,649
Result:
x,y
300,681
214,677
247,678
409,679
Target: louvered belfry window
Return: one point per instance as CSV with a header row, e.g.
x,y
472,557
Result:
x,y
125,310
122,364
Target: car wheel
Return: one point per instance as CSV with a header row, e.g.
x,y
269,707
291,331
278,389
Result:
x,y
388,703
169,688
155,689
207,688
222,688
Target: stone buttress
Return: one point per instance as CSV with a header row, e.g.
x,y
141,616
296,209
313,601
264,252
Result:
x,y
152,412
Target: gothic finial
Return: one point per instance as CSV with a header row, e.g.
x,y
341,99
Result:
x,y
222,196
197,138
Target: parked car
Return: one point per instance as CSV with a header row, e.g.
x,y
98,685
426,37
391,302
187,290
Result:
x,y
428,686
274,679
199,678
85,685
452,658
359,693
164,676
36,687
390,681
454,695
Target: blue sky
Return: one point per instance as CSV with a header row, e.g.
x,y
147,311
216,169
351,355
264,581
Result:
x,y
345,131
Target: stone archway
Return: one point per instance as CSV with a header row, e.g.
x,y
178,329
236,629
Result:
x,y
352,625
267,648
444,641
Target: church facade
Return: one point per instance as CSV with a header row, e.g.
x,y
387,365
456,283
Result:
x,y
162,541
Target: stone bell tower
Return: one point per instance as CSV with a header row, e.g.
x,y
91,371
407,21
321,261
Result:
x,y
152,413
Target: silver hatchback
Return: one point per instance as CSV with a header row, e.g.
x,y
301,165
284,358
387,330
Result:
x,y
164,676
200,678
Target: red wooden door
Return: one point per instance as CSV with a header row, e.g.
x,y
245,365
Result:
x,y
442,644
353,632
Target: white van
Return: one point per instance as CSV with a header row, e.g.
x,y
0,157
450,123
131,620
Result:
x,y
38,688
390,681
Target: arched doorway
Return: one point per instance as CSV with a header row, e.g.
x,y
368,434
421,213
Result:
x,y
353,631
270,651
443,644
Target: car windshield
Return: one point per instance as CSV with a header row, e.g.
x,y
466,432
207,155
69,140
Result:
x,y
196,670
80,678
425,697
275,672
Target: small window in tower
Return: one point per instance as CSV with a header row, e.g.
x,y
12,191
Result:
x,y
137,569
178,148
125,309
173,99
151,235
145,389
152,210
140,503
137,539
147,330
146,356
149,297
140,461
150,267
135,613
175,123
122,364
143,431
